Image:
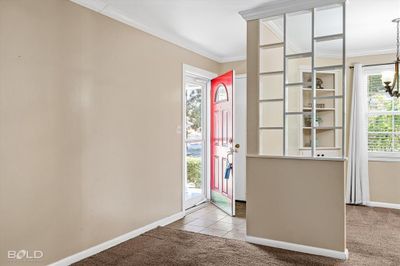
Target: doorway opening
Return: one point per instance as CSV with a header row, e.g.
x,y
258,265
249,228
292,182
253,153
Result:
x,y
210,144
195,132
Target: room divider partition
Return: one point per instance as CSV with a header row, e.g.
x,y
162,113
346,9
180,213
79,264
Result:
x,y
295,125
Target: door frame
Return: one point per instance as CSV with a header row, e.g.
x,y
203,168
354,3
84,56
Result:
x,y
243,146
188,69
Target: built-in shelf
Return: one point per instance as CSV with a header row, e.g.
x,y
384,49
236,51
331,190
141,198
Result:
x,y
328,37
320,148
323,128
272,45
294,84
270,100
319,90
271,73
318,109
328,68
299,55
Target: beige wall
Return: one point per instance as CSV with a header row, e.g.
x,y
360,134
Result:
x,y
88,107
291,200
252,86
238,66
384,177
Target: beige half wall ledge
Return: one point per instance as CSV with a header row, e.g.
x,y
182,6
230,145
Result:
x,y
297,204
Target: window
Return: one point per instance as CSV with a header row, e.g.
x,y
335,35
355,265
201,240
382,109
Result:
x,y
221,95
383,118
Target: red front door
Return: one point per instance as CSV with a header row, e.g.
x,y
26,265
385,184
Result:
x,y
222,185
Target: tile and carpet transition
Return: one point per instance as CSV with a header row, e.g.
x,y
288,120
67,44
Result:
x,y
373,238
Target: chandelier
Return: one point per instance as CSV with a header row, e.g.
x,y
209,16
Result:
x,y
392,86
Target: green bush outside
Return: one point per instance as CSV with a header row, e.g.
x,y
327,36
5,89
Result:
x,y
194,171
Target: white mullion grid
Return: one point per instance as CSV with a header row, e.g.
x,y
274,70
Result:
x,y
394,133
313,83
343,80
284,84
393,126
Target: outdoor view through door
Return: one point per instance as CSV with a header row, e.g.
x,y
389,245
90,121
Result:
x,y
221,158
195,94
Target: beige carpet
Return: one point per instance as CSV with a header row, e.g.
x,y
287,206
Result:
x,y
373,238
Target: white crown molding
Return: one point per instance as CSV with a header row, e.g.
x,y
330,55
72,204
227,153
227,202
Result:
x,y
342,255
279,7
102,7
357,53
95,5
115,241
233,59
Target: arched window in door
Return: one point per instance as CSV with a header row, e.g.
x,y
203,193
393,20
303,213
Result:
x,y
221,95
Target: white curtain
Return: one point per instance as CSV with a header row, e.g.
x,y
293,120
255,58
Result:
x,y
357,168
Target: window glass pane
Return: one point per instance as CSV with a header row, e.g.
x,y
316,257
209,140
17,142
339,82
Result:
x,y
271,59
271,142
396,104
329,112
329,20
298,32
271,86
325,138
379,100
194,169
271,114
380,123
271,30
221,95
329,81
329,53
380,142
396,141
338,141
294,101
396,122
296,67
294,136
193,112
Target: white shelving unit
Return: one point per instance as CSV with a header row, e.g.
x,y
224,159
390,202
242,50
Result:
x,y
327,141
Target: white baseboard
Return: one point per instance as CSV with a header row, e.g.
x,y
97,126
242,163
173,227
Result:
x,y
343,255
383,205
115,241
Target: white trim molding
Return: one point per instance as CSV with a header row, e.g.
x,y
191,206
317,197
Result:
x,y
279,7
384,156
343,255
383,205
105,8
118,240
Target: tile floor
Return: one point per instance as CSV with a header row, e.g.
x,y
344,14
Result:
x,y
212,221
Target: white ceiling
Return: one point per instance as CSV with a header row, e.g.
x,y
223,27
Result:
x,y
214,28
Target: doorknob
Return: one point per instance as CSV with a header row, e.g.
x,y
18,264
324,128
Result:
x,y
235,149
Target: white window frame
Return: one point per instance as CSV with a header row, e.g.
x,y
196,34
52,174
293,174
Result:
x,y
373,155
